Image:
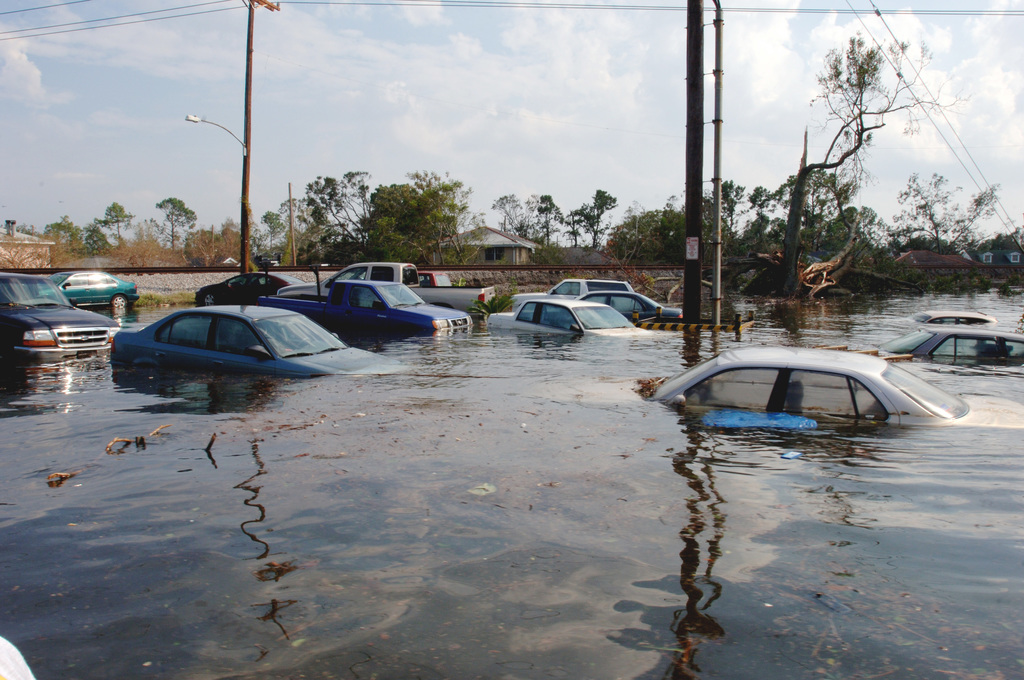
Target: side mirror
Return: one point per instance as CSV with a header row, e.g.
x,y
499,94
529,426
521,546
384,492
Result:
x,y
575,328
257,352
379,306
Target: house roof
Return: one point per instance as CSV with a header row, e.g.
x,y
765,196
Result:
x,y
998,256
22,238
494,238
926,258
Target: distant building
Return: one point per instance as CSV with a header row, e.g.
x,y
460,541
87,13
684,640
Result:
x,y
23,251
926,259
1003,258
492,246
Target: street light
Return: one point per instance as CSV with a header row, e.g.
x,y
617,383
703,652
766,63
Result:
x,y
244,227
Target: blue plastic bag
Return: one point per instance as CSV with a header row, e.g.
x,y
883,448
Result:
x,y
732,418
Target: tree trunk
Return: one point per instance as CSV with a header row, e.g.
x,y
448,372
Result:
x,y
794,220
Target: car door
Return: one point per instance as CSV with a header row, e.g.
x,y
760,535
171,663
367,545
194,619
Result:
x,y
365,308
76,288
626,305
229,341
968,348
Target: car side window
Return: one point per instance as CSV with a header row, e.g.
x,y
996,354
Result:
x,y
743,388
811,392
1014,348
568,288
528,312
382,274
357,274
623,304
362,297
188,331
956,346
233,336
556,317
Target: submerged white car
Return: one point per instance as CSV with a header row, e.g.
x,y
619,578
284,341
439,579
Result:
x,y
560,315
830,384
946,316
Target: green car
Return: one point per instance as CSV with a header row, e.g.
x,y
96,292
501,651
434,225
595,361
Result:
x,y
96,288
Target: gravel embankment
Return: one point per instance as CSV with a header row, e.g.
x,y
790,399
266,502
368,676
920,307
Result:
x,y
503,281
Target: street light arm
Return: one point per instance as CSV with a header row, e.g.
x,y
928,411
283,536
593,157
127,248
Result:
x,y
197,119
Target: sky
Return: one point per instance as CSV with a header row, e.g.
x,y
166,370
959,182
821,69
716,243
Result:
x,y
507,97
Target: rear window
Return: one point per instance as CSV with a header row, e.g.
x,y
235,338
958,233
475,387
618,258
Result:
x,y
907,343
606,285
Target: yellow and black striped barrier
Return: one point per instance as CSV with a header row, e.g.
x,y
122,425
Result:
x,y
660,323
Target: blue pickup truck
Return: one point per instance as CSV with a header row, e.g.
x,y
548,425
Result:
x,y
373,306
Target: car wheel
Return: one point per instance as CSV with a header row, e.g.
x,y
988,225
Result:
x,y
209,299
119,303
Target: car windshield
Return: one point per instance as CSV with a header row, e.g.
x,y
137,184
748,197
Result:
x,y
936,400
399,296
907,343
596,318
296,335
31,292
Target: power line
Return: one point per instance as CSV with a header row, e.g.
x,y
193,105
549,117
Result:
x,y
36,9
1005,219
121,20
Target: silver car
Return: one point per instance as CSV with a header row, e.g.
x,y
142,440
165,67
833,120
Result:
x,y
817,383
561,315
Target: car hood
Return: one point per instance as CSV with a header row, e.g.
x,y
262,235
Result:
x,y
55,317
349,360
992,412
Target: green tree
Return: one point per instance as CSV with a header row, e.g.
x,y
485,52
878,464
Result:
x,y
930,211
179,219
94,240
67,238
589,217
549,216
445,206
117,219
341,212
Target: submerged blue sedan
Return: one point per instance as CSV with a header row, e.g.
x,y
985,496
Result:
x,y
245,339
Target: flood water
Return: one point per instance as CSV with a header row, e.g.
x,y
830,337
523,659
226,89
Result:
x,y
509,508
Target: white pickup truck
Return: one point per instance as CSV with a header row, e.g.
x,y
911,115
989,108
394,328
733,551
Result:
x,y
454,297
576,288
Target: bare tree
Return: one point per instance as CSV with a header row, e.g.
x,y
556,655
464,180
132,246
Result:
x,y
860,87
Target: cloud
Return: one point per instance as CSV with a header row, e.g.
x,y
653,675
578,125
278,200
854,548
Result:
x,y
22,81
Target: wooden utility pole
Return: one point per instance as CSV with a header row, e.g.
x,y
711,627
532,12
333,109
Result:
x,y
716,179
244,236
694,195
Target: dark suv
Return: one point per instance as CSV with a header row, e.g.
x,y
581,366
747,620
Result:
x,y
38,321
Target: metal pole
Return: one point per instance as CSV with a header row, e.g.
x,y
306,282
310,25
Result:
x,y
291,221
716,281
244,235
694,159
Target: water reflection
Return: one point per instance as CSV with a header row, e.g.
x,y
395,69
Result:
x,y
675,631
200,393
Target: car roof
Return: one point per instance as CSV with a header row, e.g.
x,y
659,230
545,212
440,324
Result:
x,y
802,357
572,303
952,313
247,311
968,331
19,275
